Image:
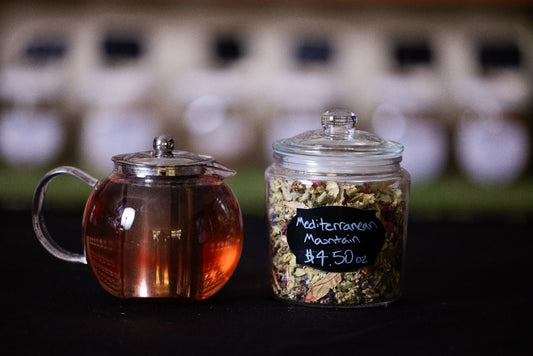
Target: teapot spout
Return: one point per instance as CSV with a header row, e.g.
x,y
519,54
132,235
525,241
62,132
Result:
x,y
219,170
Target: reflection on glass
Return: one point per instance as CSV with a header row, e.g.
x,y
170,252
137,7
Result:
x,y
127,218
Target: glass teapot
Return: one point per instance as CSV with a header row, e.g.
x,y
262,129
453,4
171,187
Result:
x,y
162,225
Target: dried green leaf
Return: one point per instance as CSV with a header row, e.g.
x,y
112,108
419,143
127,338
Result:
x,y
299,272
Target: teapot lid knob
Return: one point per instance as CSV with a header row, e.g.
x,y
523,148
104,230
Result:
x,y
163,146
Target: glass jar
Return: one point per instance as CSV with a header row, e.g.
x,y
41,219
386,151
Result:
x,y
337,205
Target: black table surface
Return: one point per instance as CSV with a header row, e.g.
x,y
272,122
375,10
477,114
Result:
x,y
467,291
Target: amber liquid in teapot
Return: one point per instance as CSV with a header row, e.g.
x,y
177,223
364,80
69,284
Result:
x,y
175,240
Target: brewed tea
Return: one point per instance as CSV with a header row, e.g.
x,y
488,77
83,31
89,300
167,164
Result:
x,y
176,240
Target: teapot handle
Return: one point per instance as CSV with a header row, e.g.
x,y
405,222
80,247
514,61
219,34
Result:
x,y
38,219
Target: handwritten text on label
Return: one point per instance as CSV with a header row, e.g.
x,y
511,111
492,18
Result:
x,y
335,238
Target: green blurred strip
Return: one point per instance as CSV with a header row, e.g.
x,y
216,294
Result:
x,y
454,195
450,196
17,187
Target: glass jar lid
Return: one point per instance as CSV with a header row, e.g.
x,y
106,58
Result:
x,y
338,147
164,161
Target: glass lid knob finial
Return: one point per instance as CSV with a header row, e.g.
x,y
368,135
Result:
x,y
339,123
163,146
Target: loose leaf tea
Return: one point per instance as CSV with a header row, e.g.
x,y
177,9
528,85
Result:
x,y
364,281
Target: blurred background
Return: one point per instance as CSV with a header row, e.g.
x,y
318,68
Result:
x,y
81,81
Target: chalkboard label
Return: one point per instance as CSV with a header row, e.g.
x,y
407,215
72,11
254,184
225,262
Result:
x,y
335,238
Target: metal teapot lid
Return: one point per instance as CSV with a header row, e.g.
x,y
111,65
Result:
x,y
164,161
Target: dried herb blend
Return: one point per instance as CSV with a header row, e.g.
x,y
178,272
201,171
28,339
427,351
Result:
x,y
337,236
375,283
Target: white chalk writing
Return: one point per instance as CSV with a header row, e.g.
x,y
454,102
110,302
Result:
x,y
335,226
